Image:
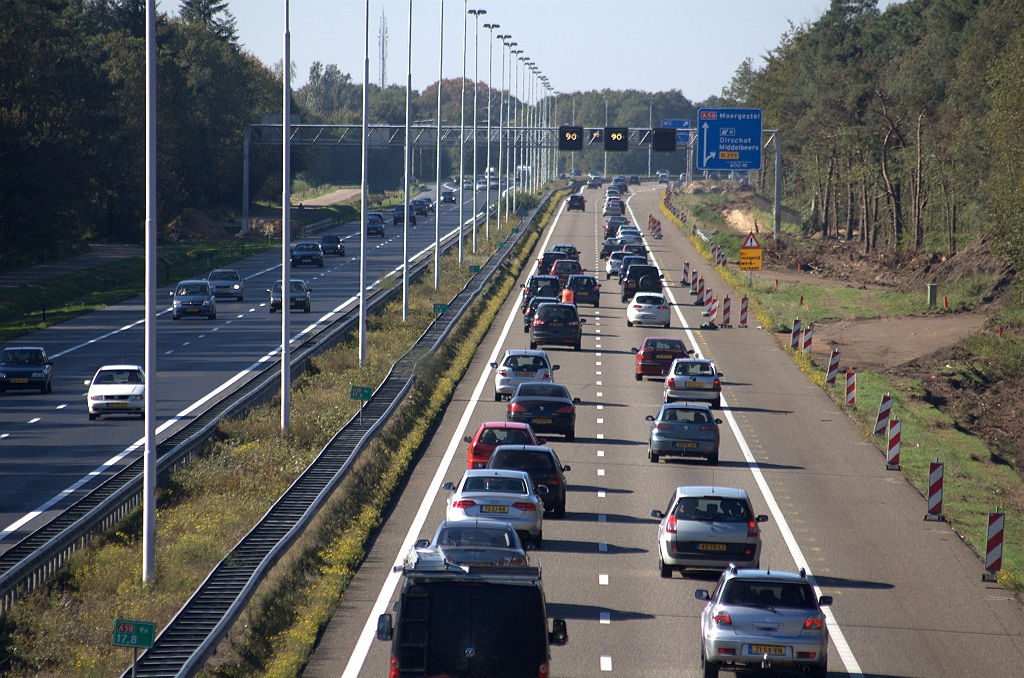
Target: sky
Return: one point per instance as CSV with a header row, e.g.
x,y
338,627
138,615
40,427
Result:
x,y
650,45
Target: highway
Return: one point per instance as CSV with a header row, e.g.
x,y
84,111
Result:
x,y
50,452
909,600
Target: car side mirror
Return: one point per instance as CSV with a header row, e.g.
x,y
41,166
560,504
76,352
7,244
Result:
x,y
555,367
657,514
385,630
542,489
576,400
583,321
662,276
87,382
542,441
566,468
664,373
422,543
522,286
701,594
268,291
718,421
762,519
309,289
467,439
649,417
634,350
494,365
448,486
172,293
559,633
720,375
824,601
49,362
689,351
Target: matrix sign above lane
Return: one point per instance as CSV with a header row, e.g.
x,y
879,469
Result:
x,y
729,138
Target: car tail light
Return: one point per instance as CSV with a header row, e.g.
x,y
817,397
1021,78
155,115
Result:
x,y
671,382
463,504
538,322
813,622
553,479
726,650
503,373
722,618
708,428
517,562
394,672
752,530
663,308
501,562
545,375
663,427
568,409
670,526
572,323
542,671
637,306
717,384
806,655
525,506
517,407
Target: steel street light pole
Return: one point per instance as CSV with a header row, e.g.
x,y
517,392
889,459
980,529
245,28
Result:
x,y
362,192
490,100
650,124
437,169
286,224
476,82
602,137
408,162
501,138
149,409
462,134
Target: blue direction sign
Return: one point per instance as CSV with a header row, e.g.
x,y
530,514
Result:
x,y
683,127
729,138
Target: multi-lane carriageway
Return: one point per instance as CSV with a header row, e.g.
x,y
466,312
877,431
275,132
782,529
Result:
x,y
50,452
909,600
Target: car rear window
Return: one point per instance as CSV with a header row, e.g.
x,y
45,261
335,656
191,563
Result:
x,y
558,314
758,593
566,265
192,290
664,344
306,247
685,415
294,286
505,436
476,536
617,256
640,270
21,356
495,484
523,460
577,283
696,369
532,362
649,300
718,509
543,390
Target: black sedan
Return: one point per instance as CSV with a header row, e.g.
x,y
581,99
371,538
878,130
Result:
x,y
531,310
556,324
25,367
298,299
611,245
544,468
308,254
332,244
541,286
547,408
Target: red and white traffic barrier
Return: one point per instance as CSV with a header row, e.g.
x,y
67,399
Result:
x,y
892,458
794,341
700,291
707,298
993,546
693,282
808,337
657,229
686,273
851,388
833,368
743,312
935,472
713,310
726,312
721,257
884,409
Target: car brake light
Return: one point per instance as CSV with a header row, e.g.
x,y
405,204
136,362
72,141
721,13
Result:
x,y
663,427
542,671
806,655
717,384
503,373
637,306
752,528
553,479
708,428
545,375
501,562
813,622
567,409
670,526
394,672
663,308
722,618
727,650
463,504
516,407
525,506
671,382
538,322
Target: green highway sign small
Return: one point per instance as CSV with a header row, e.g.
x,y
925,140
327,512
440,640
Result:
x,y
499,244
474,269
360,392
440,308
515,230
131,633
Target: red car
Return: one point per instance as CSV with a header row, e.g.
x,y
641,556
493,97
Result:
x,y
656,354
563,268
494,433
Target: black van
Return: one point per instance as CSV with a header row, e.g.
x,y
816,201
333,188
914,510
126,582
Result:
x,y
481,623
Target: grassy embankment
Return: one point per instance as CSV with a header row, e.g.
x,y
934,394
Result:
x,y
974,483
205,508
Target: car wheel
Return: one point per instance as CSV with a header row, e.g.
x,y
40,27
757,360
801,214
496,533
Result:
x,y
559,511
668,324
48,388
570,435
539,540
212,315
526,329
597,304
241,297
320,265
652,455
629,323
533,345
820,671
175,317
93,417
717,403
666,571
624,299
272,310
639,377
576,346
497,397
607,276
713,458
308,307
710,668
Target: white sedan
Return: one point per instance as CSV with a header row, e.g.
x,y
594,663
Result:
x,y
499,495
117,389
648,308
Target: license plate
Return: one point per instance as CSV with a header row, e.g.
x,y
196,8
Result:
x,y
686,446
557,324
19,381
192,310
524,374
117,404
710,547
478,564
775,650
632,284
541,421
648,316
664,356
493,509
694,384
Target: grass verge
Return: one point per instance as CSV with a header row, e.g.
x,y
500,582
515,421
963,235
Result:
x,y
208,506
974,482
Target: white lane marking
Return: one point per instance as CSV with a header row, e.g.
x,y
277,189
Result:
x,y
600,394
606,617
606,662
61,407
4,435
240,315
602,547
600,453
600,494
366,636
186,343
599,371
598,355
169,352
600,407
262,305
201,336
600,436
251,310
598,331
229,322
845,653
600,471
600,384
600,421
597,346
602,580
34,420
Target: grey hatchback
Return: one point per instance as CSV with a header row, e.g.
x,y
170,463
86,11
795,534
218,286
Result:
x,y
556,324
684,430
194,298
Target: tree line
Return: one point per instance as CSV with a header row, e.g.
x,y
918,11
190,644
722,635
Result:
x,y
900,128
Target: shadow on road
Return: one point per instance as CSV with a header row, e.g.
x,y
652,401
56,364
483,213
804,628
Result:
x,y
591,488
840,583
591,613
609,518
567,546
757,409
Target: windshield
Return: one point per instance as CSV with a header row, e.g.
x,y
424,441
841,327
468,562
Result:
x,y
119,377
543,390
294,285
193,290
22,356
664,344
718,509
330,239
495,484
526,362
505,436
306,247
756,593
557,313
650,301
685,415
223,275
696,369
476,536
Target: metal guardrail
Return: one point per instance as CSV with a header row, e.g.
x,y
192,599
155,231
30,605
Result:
x,y
185,644
38,557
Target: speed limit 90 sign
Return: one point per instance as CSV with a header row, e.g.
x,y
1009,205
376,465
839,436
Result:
x,y
570,138
616,138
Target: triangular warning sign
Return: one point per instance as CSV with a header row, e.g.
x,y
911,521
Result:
x,y
750,243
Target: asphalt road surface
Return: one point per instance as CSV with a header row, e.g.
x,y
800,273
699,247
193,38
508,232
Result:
x,y
50,452
909,600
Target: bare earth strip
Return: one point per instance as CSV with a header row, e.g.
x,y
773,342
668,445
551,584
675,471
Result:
x,y
341,195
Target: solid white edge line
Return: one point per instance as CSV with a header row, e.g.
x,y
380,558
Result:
x,y
366,636
845,653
